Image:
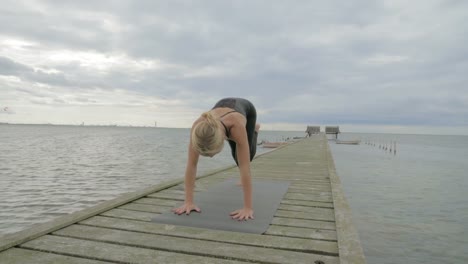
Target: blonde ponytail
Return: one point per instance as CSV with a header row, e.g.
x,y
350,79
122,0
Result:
x,y
207,135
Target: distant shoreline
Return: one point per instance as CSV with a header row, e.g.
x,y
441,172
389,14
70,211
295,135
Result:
x,y
135,126
47,124
121,126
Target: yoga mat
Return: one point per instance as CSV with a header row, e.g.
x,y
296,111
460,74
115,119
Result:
x,y
219,200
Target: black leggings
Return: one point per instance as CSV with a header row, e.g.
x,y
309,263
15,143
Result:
x,y
247,109
251,136
252,147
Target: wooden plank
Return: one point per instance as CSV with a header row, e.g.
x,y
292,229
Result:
x,y
190,246
303,197
304,179
113,252
288,159
281,221
175,193
155,201
306,189
146,208
320,193
294,188
295,244
22,256
315,193
132,215
310,185
289,171
168,196
319,215
308,203
306,209
329,235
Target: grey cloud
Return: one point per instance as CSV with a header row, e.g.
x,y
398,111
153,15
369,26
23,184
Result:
x,y
271,50
84,100
31,92
10,67
52,29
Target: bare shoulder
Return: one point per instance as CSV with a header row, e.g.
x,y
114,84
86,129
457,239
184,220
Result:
x,y
236,119
237,124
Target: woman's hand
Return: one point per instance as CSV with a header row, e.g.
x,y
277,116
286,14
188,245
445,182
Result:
x,y
243,214
187,208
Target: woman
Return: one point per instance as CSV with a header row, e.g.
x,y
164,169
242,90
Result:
x,y
232,119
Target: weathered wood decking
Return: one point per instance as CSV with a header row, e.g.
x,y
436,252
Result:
x,y
312,224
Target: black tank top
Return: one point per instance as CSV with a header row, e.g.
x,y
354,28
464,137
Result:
x,y
240,105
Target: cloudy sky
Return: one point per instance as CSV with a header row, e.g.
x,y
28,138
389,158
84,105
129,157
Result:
x,y
367,65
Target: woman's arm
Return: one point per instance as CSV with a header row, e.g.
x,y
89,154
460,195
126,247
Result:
x,y
190,175
239,135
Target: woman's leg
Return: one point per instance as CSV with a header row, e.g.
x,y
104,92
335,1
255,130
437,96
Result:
x,y
252,145
232,144
253,142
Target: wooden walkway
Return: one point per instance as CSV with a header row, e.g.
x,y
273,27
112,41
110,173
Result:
x,y
312,224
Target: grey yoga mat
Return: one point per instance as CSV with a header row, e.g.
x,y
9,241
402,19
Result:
x,y
219,200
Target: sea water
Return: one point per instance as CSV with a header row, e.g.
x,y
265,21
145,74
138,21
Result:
x,y
409,207
48,171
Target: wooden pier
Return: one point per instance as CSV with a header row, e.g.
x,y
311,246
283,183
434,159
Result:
x,y
312,225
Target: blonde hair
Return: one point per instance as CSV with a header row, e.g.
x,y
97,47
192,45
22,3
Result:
x,y
207,135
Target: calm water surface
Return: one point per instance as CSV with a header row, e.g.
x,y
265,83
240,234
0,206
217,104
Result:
x,y
411,207
49,171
